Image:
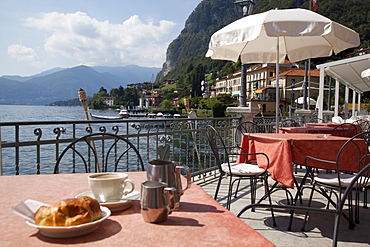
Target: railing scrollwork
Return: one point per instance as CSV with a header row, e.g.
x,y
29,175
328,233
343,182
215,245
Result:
x,y
186,138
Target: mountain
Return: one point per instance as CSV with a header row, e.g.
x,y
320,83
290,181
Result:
x,y
130,73
187,51
64,84
207,18
26,78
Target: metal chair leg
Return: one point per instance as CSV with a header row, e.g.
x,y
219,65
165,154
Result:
x,y
218,186
309,204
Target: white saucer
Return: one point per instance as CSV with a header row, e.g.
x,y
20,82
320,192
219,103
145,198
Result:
x,y
71,231
120,205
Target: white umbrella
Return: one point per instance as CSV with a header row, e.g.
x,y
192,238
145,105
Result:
x,y
365,74
310,100
271,36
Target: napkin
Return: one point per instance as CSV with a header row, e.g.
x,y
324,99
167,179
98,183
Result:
x,y
27,209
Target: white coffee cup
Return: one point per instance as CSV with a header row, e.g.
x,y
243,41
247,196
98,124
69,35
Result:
x,y
110,187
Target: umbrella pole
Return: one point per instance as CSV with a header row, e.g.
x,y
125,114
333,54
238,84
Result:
x,y
277,101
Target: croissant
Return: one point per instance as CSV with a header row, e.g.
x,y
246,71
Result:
x,y
69,212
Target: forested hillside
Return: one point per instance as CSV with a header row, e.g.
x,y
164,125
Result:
x,y
185,55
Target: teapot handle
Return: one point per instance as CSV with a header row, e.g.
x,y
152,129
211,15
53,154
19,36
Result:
x,y
188,177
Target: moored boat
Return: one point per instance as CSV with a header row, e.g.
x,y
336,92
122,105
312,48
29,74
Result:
x,y
106,117
124,113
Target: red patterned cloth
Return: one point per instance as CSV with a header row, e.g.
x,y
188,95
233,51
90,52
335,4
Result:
x,y
284,150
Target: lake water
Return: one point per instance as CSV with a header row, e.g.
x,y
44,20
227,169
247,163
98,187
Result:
x,y
21,113
27,113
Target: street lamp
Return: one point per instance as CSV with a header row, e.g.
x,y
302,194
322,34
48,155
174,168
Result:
x,y
247,6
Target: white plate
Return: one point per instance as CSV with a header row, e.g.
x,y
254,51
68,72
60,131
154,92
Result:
x,y
71,231
120,205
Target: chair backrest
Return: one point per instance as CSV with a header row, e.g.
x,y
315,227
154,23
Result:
x,y
246,127
99,152
217,145
345,130
316,119
364,124
356,149
289,123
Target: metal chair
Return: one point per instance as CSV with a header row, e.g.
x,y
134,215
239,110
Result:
x,y
345,130
357,183
315,119
99,152
364,124
289,123
344,181
246,127
228,167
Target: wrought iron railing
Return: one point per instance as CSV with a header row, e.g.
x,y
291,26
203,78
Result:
x,y
34,147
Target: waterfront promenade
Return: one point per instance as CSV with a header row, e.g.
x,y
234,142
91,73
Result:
x,y
319,228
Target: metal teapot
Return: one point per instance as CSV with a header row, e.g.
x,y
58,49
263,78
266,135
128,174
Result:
x,y
169,172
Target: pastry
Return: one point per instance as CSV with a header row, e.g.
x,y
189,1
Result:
x,y
69,212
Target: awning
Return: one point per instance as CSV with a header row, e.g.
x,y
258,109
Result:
x,y
235,95
260,90
348,72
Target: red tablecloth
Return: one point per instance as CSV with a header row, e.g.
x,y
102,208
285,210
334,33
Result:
x,y
325,128
200,220
284,150
311,129
323,124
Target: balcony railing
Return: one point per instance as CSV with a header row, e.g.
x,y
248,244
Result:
x,y
34,147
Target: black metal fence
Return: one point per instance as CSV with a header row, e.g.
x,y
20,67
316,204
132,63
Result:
x,y
34,147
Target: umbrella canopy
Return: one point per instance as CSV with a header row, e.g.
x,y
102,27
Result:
x,y
310,100
272,35
302,34
365,74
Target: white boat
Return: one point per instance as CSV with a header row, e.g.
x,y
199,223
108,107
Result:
x,y
176,115
124,113
167,115
106,117
152,115
159,114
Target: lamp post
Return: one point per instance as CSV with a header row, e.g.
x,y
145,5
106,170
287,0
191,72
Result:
x,y
292,83
247,6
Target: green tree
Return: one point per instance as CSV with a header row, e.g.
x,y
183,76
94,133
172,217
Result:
x,y
218,109
96,103
166,105
103,92
226,99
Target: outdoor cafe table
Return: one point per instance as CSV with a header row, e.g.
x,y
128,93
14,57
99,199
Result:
x,y
284,150
312,129
323,124
199,221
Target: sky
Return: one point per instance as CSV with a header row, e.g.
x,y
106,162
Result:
x,y
39,35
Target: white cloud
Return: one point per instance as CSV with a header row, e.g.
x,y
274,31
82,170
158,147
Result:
x,y
22,53
93,42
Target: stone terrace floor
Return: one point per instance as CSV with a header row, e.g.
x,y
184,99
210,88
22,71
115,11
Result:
x,y
319,227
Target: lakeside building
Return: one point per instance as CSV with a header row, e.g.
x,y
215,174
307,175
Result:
x,y
261,84
109,100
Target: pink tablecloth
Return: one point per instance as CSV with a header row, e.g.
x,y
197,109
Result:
x,y
200,220
284,150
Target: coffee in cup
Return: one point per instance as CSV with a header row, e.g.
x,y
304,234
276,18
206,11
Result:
x,y
110,187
